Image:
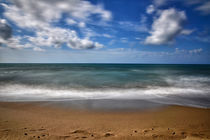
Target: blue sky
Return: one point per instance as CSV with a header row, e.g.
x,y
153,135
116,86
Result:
x,y
105,31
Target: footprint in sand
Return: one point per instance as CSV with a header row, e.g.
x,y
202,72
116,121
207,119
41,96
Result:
x,y
79,131
81,134
108,134
183,133
147,130
154,136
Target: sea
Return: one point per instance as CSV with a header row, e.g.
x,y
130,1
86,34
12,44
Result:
x,y
108,85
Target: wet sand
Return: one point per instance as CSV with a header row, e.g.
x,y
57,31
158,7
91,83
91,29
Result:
x,y
33,120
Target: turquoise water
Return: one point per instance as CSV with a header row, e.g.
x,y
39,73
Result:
x,y
166,84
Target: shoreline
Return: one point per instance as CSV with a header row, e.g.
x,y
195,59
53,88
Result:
x,y
35,120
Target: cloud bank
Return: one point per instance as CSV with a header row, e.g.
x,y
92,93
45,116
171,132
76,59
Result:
x,y
40,18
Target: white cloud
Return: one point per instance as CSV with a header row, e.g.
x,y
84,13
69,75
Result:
x,y
38,16
180,51
155,5
124,40
186,32
81,24
38,49
204,8
183,51
51,10
138,38
56,37
89,33
15,43
166,27
196,51
70,21
6,37
159,2
22,18
76,43
107,36
150,9
205,39
116,49
200,5
75,23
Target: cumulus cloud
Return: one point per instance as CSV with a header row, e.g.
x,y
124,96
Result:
x,y
15,42
80,44
166,27
56,37
50,10
6,37
39,17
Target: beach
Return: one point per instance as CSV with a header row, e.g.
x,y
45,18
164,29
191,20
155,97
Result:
x,y
104,70
43,120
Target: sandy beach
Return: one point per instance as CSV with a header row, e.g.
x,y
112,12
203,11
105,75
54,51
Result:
x,y
20,120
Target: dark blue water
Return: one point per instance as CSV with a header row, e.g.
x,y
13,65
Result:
x,y
167,84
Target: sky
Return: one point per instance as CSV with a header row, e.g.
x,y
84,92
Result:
x,y
105,31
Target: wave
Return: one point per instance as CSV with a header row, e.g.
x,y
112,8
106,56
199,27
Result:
x,y
167,95
168,84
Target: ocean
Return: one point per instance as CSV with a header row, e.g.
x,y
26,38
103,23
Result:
x,y
167,84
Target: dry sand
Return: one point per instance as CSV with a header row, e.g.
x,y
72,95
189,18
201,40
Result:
x,y
34,121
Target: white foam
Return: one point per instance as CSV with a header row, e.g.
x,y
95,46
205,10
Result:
x,y
24,92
